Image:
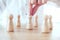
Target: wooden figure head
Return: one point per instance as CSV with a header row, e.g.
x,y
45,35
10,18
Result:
x,y
46,17
18,16
50,17
11,17
30,17
36,16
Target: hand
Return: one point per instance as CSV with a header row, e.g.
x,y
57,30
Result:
x,y
36,4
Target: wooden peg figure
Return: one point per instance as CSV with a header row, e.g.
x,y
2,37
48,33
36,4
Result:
x,y
11,26
50,22
18,22
36,21
46,28
30,23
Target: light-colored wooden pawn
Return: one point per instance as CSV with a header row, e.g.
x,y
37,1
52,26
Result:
x,y
50,22
36,21
30,23
11,26
46,27
18,22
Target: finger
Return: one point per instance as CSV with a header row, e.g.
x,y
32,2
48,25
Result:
x,y
33,1
44,1
39,1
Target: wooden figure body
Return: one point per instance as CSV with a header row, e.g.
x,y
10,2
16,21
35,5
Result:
x,y
50,22
30,23
18,22
46,28
11,26
36,21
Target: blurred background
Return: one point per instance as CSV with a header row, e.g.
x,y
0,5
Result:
x,y
21,7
